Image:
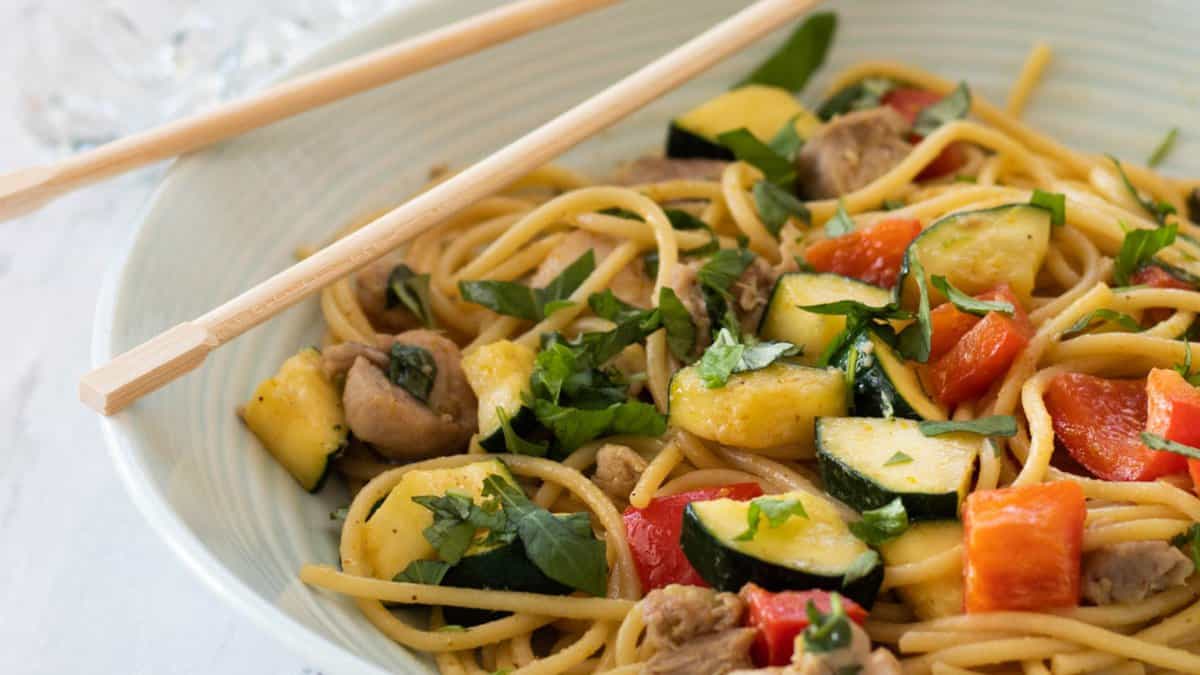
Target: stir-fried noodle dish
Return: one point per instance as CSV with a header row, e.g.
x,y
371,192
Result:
x,y
893,384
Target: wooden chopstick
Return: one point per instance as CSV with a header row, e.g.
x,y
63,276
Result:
x,y
28,189
160,360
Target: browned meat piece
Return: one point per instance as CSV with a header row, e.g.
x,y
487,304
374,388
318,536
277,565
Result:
x,y
370,288
676,614
659,169
851,151
855,657
630,284
397,425
338,359
618,469
752,291
1132,571
712,654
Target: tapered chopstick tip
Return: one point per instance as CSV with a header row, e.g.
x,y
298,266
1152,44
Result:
x,y
113,386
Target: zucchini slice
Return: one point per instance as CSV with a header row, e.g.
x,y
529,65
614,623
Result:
x,y
297,415
784,320
761,109
979,250
860,466
502,567
394,534
499,375
884,384
935,598
769,408
800,554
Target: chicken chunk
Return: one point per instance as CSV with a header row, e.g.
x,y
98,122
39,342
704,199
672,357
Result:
x,y
371,290
711,654
677,614
1132,571
630,284
851,151
396,424
618,469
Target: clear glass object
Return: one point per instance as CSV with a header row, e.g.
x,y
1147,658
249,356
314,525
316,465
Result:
x,y
90,71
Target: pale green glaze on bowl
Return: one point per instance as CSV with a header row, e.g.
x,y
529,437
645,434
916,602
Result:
x,y
231,216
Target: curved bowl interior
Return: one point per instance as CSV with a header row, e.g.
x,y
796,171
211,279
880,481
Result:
x,y
231,216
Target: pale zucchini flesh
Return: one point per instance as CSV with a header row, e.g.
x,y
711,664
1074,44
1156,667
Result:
x,y
979,250
784,320
936,598
859,463
499,375
297,415
394,533
761,109
770,408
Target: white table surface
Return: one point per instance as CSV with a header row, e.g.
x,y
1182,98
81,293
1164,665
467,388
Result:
x,y
85,585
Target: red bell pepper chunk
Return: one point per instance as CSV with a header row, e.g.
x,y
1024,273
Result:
x,y
780,617
1023,547
1100,422
979,355
653,534
1173,412
1156,277
910,102
873,254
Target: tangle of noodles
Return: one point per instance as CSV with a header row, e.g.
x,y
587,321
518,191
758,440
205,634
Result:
x,y
509,236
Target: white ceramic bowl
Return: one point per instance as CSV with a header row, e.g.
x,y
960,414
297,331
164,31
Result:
x,y
226,218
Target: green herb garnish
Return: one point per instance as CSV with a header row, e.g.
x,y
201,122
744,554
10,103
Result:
x,y
1138,249
746,147
882,524
406,287
952,106
996,425
1164,148
791,66
1054,202
841,222
916,339
413,369
428,572
898,458
532,304
727,355
775,205
776,511
827,632
513,442
1087,321
966,303
1156,442
1159,210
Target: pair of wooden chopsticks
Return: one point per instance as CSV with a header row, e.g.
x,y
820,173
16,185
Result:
x,y
160,360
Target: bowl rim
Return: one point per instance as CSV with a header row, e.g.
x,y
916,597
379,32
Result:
x,y
302,640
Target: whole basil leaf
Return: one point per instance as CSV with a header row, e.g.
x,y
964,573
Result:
x,y
413,369
406,287
793,63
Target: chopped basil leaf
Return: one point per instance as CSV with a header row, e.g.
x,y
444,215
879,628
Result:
x,y
1189,541
893,204
406,287
684,221
953,106
966,303
827,632
860,567
1159,210
882,524
963,178
1054,202
790,66
996,425
555,305
898,458
681,330
787,142
724,268
1156,442
916,339
747,148
532,304
621,213
456,519
864,95
1085,322
428,572
858,316
572,427
1138,249
1164,148
413,369
776,511
559,549
513,442
1185,368
775,205
726,355
841,222
851,375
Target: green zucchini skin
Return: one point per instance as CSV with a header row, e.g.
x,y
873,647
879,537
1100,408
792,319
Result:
x,y
524,423
873,393
505,568
728,570
683,144
864,494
